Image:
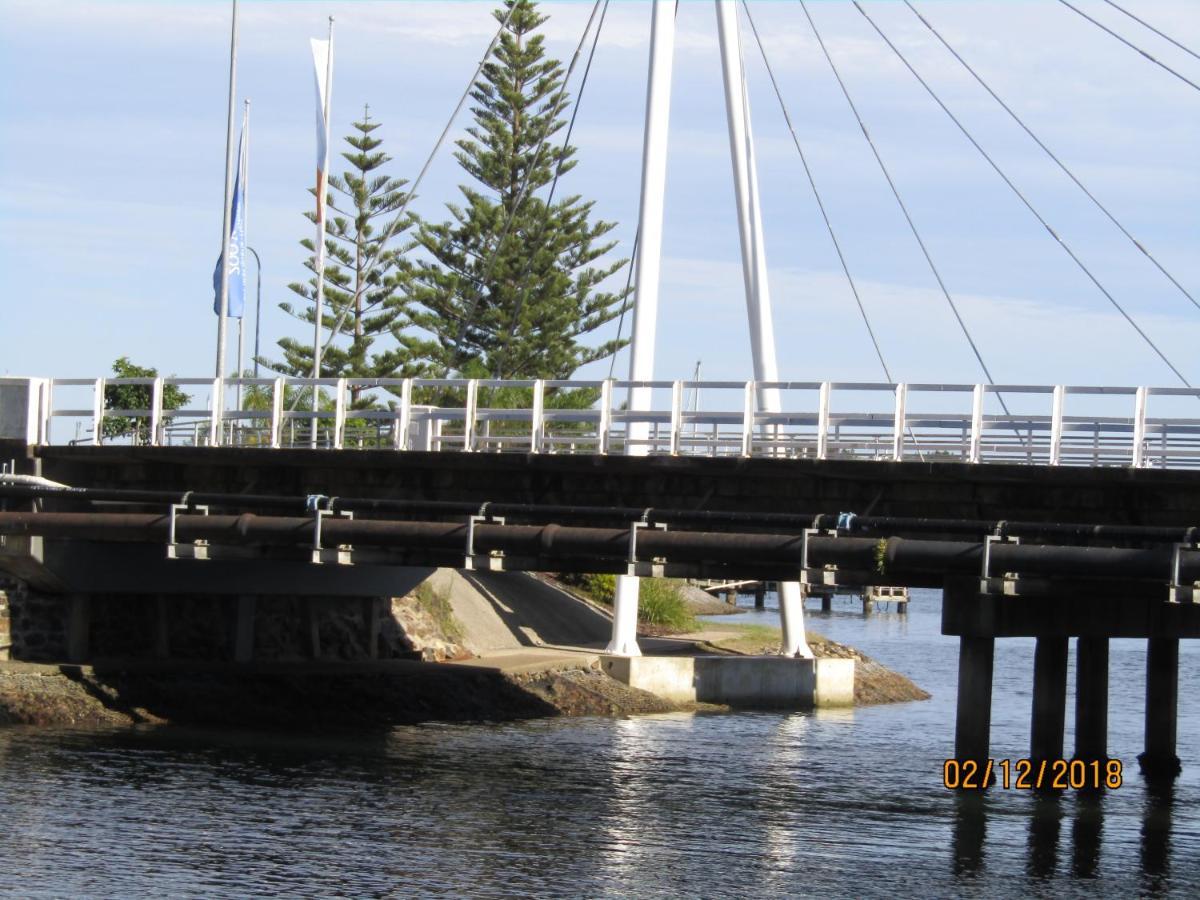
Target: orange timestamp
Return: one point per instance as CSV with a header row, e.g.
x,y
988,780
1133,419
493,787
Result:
x,y
1031,774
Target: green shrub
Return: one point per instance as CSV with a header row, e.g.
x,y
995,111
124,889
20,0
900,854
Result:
x,y
660,601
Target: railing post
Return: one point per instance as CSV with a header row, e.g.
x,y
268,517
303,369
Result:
x,y
975,450
537,421
823,421
676,415
401,425
278,392
98,412
1139,428
469,415
1056,416
898,426
748,419
214,416
339,414
604,427
156,406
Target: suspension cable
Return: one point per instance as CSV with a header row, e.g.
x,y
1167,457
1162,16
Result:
x,y
560,98
817,194
558,168
1131,45
1100,206
412,192
1066,248
899,201
1145,24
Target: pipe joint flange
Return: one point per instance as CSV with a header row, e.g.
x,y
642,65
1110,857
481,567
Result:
x,y
176,550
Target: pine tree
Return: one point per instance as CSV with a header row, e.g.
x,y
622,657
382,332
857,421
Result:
x,y
365,281
508,289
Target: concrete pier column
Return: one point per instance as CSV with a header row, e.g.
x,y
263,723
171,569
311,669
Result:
x,y
826,602
243,631
1049,698
1162,697
1091,699
791,614
625,609
760,595
973,725
371,626
78,627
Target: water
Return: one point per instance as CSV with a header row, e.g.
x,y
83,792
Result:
x,y
836,803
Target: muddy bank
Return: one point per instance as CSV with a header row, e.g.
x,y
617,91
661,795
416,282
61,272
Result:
x,y
303,696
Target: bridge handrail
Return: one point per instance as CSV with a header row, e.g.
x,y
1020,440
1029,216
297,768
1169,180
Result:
x,y
805,425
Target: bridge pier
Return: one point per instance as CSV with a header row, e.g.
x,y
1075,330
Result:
x,y
1091,699
1162,698
973,725
78,627
1049,699
1094,610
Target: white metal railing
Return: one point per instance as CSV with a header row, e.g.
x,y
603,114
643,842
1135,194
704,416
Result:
x,y
1037,424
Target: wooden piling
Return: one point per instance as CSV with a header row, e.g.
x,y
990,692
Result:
x,y
1049,698
1162,697
1091,699
972,728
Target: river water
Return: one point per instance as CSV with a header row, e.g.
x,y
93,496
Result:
x,y
843,804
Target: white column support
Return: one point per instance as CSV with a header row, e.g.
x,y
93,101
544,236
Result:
x,y
676,415
278,394
339,414
823,421
216,411
154,438
899,424
749,211
1139,428
404,422
604,426
469,416
976,447
537,417
646,280
791,614
1056,424
98,412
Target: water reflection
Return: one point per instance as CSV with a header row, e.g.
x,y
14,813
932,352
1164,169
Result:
x,y
1045,827
1086,832
970,833
1156,837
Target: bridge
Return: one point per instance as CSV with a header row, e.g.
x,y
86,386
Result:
x,y
1055,511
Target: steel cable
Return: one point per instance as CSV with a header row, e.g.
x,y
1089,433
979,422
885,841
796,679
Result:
x,y
1130,44
900,202
817,195
1066,248
1100,206
1145,24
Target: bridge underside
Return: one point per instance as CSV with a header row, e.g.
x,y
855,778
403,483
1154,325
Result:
x,y
1119,496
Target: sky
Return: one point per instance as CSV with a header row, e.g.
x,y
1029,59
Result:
x,y
112,150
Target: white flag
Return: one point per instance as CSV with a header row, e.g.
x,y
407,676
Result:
x,y
322,52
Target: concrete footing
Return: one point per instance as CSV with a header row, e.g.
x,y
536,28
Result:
x,y
748,682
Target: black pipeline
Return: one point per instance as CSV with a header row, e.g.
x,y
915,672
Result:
x,y
717,520
895,558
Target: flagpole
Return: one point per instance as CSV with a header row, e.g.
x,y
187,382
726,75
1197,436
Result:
x,y
322,181
244,174
228,211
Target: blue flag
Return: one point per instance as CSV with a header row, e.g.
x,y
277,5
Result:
x,y
236,246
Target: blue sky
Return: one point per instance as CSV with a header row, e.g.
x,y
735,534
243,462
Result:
x,y
112,154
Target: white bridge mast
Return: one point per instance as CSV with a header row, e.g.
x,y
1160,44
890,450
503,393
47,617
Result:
x,y
648,272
